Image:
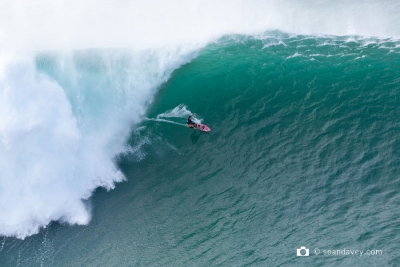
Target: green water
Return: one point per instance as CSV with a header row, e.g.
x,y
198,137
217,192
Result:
x,y
303,151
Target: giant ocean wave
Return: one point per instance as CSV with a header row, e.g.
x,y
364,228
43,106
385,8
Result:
x,y
76,75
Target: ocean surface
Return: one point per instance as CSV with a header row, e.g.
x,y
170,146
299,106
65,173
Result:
x,y
303,151
98,166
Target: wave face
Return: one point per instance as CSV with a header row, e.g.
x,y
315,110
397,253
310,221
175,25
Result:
x,y
303,150
67,113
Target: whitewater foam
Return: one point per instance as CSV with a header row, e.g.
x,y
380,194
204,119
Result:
x,y
59,132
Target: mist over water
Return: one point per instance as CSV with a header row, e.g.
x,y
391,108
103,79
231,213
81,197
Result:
x,y
67,110
38,25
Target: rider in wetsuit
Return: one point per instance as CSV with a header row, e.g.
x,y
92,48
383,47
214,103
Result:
x,y
190,121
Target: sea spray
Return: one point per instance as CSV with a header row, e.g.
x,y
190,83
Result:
x,y
63,118
74,24
180,111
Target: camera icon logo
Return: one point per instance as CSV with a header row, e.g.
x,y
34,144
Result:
x,y
303,252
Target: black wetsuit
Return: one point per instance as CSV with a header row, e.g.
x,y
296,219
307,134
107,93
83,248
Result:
x,y
190,122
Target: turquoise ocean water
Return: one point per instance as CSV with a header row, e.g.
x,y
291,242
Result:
x,y
303,151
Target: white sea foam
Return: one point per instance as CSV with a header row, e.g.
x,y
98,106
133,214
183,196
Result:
x,y
60,132
294,55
